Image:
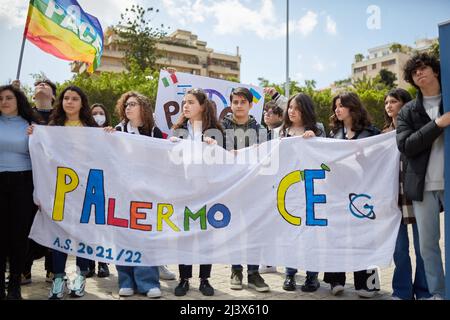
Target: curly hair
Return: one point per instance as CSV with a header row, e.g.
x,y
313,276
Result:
x,y
417,61
209,114
145,108
23,105
59,117
305,105
359,114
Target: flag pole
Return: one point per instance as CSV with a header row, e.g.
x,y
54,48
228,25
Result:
x,y
287,87
24,38
21,57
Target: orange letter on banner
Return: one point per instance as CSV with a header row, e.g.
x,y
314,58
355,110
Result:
x,y
135,215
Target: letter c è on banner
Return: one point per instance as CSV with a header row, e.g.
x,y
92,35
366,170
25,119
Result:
x,y
285,184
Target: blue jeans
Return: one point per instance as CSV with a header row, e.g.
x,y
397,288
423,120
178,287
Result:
x,y
427,217
59,264
403,285
251,269
141,279
293,272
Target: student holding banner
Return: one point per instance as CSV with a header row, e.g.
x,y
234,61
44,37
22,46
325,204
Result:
x,y
103,119
71,110
136,117
404,285
273,119
16,187
242,130
300,121
420,139
44,97
350,121
198,122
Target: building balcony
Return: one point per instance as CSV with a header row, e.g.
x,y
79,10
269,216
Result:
x,y
223,70
177,63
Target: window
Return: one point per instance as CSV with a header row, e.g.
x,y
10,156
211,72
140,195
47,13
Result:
x,y
374,66
388,63
360,69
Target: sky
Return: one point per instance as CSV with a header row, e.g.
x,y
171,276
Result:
x,y
325,35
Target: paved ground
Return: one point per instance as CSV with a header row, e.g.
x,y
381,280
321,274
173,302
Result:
x,y
107,289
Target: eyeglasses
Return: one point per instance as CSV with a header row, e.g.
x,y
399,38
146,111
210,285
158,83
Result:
x,y
131,104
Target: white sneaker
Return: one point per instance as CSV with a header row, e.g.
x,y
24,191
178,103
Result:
x,y
266,269
126,292
154,293
336,289
78,286
58,290
166,274
363,293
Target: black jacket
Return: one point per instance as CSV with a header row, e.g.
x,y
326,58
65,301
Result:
x,y
365,133
156,132
416,133
233,142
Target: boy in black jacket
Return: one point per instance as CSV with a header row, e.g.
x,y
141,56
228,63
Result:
x,y
241,131
420,139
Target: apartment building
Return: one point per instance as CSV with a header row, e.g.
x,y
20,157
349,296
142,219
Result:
x,y
181,50
390,57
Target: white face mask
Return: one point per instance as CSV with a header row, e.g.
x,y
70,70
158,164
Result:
x,y
100,119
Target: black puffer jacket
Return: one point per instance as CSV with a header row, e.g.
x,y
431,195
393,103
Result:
x,y
416,133
366,133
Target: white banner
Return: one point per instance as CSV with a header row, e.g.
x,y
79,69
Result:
x,y
318,204
172,88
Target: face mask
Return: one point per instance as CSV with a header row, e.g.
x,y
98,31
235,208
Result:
x,y
100,119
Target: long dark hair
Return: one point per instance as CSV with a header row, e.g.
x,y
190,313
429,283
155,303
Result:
x,y
399,94
305,106
145,108
59,117
107,115
359,114
209,114
24,108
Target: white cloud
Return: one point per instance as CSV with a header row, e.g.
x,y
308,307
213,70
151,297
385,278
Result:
x,y
331,26
13,12
307,23
237,16
107,12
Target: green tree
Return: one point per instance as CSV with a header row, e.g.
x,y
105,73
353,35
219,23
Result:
x,y
107,87
396,47
138,37
435,49
388,78
359,57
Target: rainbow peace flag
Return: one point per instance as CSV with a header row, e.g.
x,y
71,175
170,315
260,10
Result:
x,y
63,29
